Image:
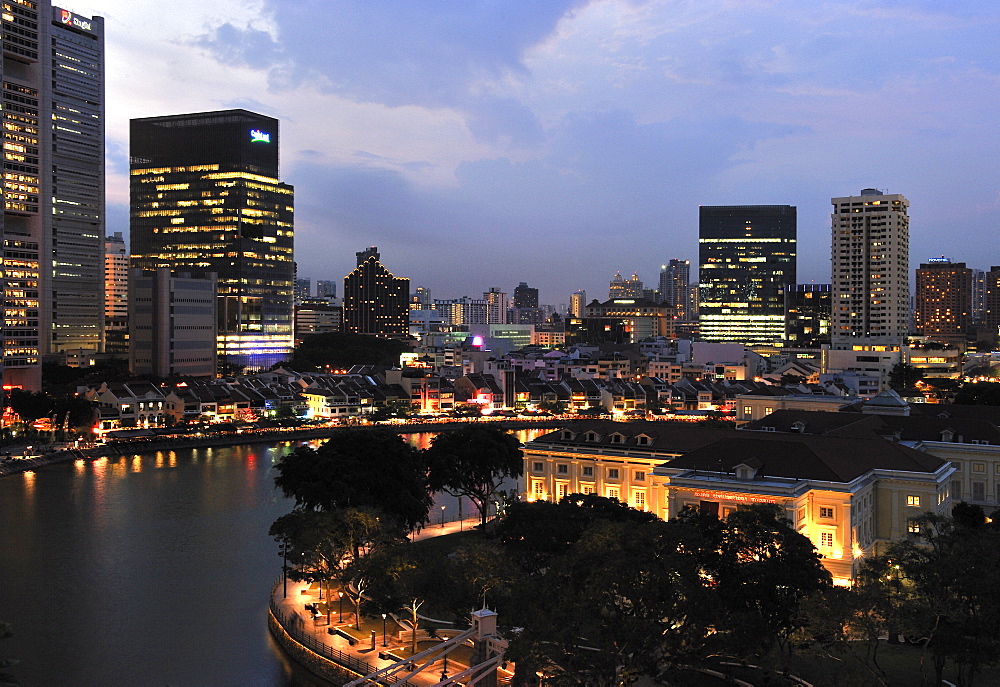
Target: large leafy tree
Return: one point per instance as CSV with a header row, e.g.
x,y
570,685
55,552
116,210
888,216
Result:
x,y
760,569
359,468
334,545
474,461
623,602
942,590
338,350
535,531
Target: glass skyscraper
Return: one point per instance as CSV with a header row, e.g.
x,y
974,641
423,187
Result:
x,y
206,198
53,186
746,256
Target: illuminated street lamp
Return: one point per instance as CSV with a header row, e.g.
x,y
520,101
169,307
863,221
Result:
x,y
383,630
341,606
442,517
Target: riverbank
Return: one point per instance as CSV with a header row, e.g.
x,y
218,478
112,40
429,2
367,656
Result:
x,y
269,436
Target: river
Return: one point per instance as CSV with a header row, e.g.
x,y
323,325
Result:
x,y
151,569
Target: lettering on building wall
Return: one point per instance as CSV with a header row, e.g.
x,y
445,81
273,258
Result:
x,y
739,498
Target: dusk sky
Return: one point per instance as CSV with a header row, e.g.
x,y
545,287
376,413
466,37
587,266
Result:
x,y
480,144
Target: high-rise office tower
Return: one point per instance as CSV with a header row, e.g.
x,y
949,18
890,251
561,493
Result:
x,y
747,256
172,323
326,288
625,288
978,294
53,185
577,303
991,299
375,300
75,260
496,306
944,300
525,296
675,288
421,299
871,271
303,289
206,198
115,295
807,315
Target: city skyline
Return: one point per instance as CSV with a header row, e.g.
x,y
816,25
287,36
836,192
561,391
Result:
x,y
532,134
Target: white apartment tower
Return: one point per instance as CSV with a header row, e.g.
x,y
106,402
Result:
x,y
870,256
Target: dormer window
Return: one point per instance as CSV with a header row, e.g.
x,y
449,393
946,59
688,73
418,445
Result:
x,y
567,435
799,426
947,435
590,436
642,440
744,472
617,439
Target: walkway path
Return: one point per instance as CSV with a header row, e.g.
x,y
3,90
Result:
x,y
300,594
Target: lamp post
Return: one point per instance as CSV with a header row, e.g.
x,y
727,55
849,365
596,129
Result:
x,y
442,517
283,550
341,606
383,630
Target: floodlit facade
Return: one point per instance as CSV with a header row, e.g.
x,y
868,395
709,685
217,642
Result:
x,y
747,256
848,495
871,271
206,198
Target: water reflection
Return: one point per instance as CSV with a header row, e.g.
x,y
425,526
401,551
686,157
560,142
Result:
x,y
158,564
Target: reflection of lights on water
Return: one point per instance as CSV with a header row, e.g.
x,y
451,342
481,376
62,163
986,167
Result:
x,y
136,464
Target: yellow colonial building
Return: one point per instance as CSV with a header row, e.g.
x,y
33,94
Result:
x,y
848,494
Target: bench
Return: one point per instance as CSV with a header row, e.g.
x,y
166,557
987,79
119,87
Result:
x,y
343,635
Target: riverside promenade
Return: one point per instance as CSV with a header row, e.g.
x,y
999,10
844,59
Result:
x,y
338,652
255,436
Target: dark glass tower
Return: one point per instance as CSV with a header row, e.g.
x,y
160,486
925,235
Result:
x,y
375,300
205,197
747,261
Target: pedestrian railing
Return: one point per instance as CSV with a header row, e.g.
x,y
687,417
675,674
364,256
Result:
x,y
295,626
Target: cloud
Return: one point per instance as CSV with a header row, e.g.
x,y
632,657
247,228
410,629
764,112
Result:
x,y
482,143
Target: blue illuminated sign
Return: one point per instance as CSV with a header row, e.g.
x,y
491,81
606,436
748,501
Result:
x,y
258,136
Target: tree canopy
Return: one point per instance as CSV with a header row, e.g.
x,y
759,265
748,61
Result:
x,y
942,589
359,468
474,461
342,350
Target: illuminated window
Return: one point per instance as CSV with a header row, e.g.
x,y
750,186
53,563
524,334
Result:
x,y
912,500
613,492
912,526
826,540
639,500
